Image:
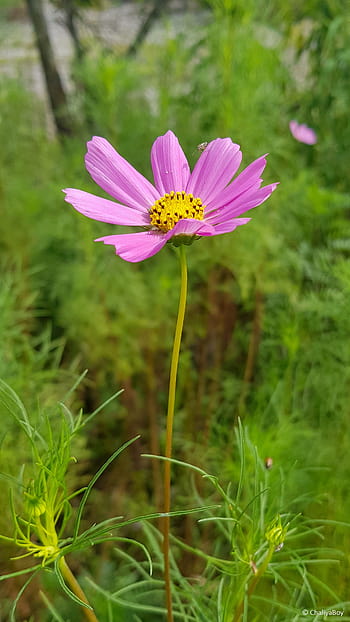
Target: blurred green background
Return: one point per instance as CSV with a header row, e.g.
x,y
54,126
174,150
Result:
x,y
267,323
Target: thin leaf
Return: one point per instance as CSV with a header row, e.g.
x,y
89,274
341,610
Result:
x,y
17,573
65,587
95,412
21,591
94,480
75,385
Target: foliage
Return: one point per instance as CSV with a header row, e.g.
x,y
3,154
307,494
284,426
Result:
x,y
40,501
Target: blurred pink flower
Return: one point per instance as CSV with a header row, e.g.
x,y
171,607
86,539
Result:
x,y
303,133
181,206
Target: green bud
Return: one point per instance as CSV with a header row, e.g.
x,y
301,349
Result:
x,y
178,240
275,533
36,506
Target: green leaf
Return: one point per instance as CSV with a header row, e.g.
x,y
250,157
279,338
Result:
x,y
65,587
93,482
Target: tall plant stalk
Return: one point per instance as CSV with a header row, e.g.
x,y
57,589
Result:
x,y
169,429
260,572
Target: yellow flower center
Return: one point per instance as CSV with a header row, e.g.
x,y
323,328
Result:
x,y
175,206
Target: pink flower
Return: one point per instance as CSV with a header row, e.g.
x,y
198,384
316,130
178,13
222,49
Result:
x,y
181,206
303,133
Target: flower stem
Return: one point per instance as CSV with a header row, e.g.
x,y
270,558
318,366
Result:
x,y
260,572
169,428
75,587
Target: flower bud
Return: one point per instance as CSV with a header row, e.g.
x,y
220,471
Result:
x,y
275,533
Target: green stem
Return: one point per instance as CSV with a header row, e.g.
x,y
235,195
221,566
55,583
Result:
x,y
75,587
261,571
169,429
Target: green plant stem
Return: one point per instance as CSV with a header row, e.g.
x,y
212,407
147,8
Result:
x,y
169,428
75,587
261,571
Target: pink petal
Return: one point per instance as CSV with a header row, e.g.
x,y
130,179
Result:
x,y
248,179
230,225
241,204
212,215
104,210
117,177
191,226
135,246
215,214
303,133
169,164
214,169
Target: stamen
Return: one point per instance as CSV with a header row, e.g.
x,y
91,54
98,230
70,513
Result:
x,y
175,206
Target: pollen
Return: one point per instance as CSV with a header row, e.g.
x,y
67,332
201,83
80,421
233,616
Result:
x,y
175,206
